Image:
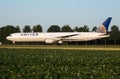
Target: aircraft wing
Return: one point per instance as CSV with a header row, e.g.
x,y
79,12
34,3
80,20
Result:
x,y
66,36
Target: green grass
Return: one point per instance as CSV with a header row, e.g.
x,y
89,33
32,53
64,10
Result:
x,y
58,64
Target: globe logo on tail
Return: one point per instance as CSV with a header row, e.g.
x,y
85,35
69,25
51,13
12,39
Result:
x,y
104,27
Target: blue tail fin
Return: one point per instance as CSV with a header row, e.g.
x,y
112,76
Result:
x,y
106,23
104,27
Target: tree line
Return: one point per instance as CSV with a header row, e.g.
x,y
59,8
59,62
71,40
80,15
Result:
x,y
114,32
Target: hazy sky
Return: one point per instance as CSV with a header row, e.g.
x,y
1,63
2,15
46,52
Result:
x,y
58,12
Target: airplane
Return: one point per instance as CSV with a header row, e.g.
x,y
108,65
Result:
x,y
60,37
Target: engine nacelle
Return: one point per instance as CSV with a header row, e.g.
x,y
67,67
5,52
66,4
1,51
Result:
x,y
49,41
60,42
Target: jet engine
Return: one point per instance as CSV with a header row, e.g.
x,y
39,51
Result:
x,y
60,42
49,41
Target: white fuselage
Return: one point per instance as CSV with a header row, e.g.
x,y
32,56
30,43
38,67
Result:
x,y
55,36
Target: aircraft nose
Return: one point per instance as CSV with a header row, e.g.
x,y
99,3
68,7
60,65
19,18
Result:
x,y
8,37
